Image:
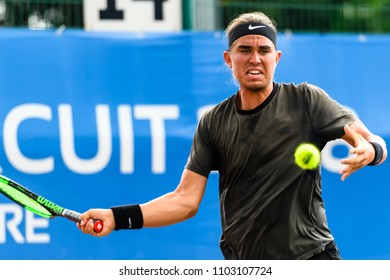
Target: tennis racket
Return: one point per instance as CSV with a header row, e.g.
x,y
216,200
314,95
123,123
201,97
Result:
x,y
38,204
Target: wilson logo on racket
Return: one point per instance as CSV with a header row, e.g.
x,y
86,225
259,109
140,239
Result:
x,y
38,204
51,205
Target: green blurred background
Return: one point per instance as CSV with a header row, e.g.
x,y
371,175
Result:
x,y
329,16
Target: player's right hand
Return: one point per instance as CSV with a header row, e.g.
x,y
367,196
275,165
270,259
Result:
x,y
87,221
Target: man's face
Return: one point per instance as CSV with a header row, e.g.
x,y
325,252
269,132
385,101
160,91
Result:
x,y
253,60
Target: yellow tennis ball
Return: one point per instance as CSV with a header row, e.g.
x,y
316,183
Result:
x,y
307,156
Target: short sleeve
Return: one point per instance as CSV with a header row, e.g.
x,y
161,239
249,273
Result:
x,y
203,157
327,116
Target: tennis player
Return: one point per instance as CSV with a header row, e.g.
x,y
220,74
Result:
x,y
271,209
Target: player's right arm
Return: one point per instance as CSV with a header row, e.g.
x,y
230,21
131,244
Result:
x,y
171,208
176,206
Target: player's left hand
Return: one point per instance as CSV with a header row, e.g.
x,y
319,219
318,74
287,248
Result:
x,y
362,153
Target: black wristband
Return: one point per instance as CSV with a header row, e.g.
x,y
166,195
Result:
x,y
378,154
128,217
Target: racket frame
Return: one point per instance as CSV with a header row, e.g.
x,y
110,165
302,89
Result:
x,y
53,208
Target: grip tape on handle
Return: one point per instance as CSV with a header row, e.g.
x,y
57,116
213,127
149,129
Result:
x,y
75,216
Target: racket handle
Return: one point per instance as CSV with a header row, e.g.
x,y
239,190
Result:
x,y
76,217
97,226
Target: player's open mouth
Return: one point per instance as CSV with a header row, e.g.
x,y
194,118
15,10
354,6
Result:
x,y
254,72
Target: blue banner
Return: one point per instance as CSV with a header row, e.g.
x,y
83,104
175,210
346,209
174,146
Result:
x,y
93,119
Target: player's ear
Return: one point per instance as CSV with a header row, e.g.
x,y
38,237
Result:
x,y
278,55
227,58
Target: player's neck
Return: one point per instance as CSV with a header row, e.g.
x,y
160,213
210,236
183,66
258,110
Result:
x,y
249,99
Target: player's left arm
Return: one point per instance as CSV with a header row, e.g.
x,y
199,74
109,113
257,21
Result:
x,y
368,148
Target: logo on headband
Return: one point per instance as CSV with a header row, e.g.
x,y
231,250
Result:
x,y
250,27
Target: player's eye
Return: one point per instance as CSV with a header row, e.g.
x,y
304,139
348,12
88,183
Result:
x,y
245,51
264,51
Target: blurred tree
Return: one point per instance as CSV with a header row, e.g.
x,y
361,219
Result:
x,y
316,16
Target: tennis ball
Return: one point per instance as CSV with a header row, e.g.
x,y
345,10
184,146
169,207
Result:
x,y
307,156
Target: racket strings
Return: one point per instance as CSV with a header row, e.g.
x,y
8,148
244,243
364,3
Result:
x,y
24,200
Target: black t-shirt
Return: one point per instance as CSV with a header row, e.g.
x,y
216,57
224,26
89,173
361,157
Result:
x,y
270,208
